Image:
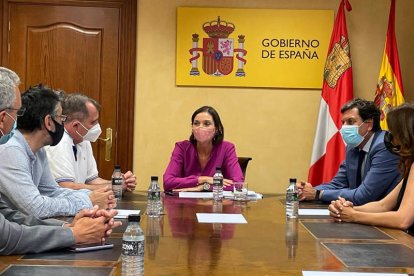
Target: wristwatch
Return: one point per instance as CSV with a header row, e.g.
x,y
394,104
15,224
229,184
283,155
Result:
x,y
318,194
206,187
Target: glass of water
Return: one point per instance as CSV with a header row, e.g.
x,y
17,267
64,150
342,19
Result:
x,y
240,191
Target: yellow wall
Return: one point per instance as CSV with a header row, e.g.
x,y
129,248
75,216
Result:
x,y
274,126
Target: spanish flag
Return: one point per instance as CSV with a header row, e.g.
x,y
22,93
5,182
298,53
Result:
x,y
390,90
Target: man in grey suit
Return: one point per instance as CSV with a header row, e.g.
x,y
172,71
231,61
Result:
x,y
369,171
25,234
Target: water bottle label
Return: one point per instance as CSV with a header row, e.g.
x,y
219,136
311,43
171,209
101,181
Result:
x,y
154,195
133,248
217,182
116,181
292,197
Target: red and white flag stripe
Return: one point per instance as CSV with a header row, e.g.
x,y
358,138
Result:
x,y
328,148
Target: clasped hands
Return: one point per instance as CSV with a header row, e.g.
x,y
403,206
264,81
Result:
x,y
201,181
305,191
130,181
93,225
341,210
103,197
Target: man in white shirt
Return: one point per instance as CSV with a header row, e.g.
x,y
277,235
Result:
x,y
71,161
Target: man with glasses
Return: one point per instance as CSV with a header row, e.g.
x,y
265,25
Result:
x,y
72,162
26,182
369,171
10,103
26,234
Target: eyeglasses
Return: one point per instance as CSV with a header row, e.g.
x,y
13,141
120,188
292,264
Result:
x,y
20,112
62,117
388,142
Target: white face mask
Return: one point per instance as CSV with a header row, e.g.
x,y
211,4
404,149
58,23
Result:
x,y
92,134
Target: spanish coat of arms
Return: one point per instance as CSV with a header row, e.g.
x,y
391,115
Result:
x,y
218,50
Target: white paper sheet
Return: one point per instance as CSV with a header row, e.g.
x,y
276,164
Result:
x,y
220,218
254,195
313,212
196,194
122,213
226,194
328,273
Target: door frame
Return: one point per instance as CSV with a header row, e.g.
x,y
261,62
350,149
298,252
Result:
x,y
126,70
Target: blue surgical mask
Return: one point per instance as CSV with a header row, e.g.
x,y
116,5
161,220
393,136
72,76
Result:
x,y
351,136
6,137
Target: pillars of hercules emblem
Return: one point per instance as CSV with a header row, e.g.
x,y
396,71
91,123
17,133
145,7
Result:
x,y
240,57
194,70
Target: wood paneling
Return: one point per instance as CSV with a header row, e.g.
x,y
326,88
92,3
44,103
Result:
x,y
79,46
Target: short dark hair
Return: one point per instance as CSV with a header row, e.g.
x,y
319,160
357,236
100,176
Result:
x,y
367,110
400,121
74,106
39,101
219,135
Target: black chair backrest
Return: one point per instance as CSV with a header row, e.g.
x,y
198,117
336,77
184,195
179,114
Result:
x,y
244,161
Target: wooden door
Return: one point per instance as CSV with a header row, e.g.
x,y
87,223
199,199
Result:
x,y
79,46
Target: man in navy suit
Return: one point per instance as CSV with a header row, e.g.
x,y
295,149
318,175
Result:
x,y
369,171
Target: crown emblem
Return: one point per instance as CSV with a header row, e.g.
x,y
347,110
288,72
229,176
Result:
x,y
218,28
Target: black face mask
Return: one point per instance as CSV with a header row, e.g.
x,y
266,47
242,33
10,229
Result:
x,y
58,134
395,149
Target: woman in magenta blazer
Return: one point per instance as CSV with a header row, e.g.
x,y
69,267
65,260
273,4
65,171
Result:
x,y
194,161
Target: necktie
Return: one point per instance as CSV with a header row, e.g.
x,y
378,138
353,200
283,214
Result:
x,y
75,150
361,156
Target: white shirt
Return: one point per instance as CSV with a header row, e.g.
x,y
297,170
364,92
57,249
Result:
x,y
64,166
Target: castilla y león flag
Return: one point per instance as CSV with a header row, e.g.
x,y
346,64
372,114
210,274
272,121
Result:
x,y
390,90
337,89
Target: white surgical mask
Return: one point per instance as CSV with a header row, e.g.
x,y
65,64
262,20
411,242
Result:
x,y
93,133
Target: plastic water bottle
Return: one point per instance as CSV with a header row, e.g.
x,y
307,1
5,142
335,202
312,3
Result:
x,y
154,198
117,182
133,248
291,238
218,185
152,236
292,199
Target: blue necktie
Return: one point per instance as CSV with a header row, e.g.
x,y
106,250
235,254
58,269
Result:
x,y
75,150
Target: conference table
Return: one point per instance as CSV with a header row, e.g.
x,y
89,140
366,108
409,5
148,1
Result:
x,y
177,244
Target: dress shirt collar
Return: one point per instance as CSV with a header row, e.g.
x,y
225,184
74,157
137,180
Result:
x,y
367,146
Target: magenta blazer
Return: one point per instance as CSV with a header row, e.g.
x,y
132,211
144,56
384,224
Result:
x,y
184,168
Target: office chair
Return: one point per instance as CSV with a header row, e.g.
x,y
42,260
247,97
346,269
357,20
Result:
x,y
244,161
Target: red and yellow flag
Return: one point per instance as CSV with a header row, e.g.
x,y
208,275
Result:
x,y
390,90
